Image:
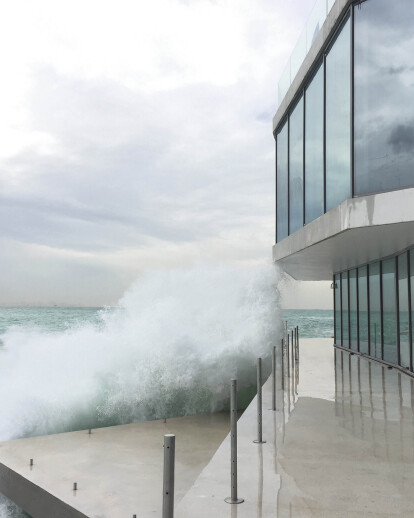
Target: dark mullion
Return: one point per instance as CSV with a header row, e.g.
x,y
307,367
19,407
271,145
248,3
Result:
x,y
334,306
324,137
340,300
304,156
369,317
357,307
381,313
410,323
352,104
288,175
276,189
349,310
397,309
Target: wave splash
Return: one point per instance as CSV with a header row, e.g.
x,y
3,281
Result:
x,y
168,349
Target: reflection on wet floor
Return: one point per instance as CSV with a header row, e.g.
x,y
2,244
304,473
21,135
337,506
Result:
x,y
339,445
353,456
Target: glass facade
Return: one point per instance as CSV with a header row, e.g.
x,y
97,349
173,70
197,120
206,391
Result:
x,y
338,119
314,162
363,310
282,184
374,309
403,306
344,308
296,168
353,310
389,311
337,303
358,111
374,287
384,108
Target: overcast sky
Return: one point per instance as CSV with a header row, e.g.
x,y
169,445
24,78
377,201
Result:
x,y
137,135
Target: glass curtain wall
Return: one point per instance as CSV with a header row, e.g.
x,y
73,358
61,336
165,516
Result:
x,y
314,147
374,309
338,119
296,168
282,183
345,322
383,134
384,108
375,348
337,295
403,316
363,309
353,310
389,311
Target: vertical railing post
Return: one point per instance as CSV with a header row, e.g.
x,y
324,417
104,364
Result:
x,y
293,355
288,356
297,335
259,439
283,364
168,484
274,378
233,499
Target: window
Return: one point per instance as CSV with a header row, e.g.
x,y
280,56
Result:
x,y
353,313
338,119
282,183
374,311
389,313
403,316
337,295
314,147
363,310
345,326
384,108
296,168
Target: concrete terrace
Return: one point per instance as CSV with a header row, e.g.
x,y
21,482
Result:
x,y
341,444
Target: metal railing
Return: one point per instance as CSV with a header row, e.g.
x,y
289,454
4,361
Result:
x,y
314,24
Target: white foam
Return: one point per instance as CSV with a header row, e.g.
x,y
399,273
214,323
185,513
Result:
x,y
169,348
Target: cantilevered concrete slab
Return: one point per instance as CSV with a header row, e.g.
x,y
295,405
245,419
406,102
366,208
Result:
x,y
358,231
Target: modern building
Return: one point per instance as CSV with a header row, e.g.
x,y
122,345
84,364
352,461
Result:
x,y
344,133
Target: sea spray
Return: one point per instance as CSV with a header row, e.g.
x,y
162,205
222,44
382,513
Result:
x,y
168,349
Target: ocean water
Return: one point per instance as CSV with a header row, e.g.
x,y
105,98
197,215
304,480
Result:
x,y
162,351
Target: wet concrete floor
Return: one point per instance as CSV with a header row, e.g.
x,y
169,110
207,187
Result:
x,y
340,444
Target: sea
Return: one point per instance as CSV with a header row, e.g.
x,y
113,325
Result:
x,y
313,323
163,351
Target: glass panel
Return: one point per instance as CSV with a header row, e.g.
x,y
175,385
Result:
x,y
314,148
296,168
282,183
353,313
330,4
363,310
389,311
345,326
338,120
384,108
404,321
337,287
374,310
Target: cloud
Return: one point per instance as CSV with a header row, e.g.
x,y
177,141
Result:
x,y
135,139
